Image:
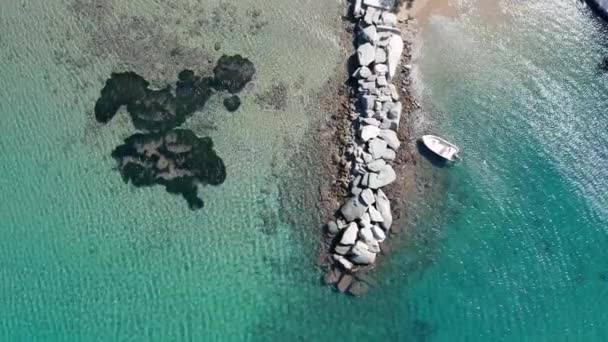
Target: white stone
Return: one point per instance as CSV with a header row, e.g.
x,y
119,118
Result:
x,y
367,197
362,255
377,147
371,121
395,111
381,81
380,69
343,261
353,208
394,92
367,54
383,205
350,234
390,137
358,9
367,102
389,19
380,56
389,155
376,165
332,227
374,214
365,220
366,234
341,249
369,132
385,177
373,245
369,16
364,72
383,4
370,34
379,234
395,48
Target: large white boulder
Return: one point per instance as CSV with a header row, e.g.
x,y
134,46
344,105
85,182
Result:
x,y
395,111
380,56
353,209
343,261
376,165
379,234
389,19
350,234
390,137
384,207
389,155
370,34
383,178
375,215
383,4
362,255
377,147
367,53
366,234
369,132
367,197
394,48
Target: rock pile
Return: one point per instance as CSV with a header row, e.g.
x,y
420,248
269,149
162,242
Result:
x,y
364,221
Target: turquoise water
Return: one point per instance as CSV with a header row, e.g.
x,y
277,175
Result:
x,y
513,253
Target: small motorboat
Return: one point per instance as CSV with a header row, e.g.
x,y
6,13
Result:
x,y
441,147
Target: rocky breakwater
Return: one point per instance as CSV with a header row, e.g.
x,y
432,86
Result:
x,y
364,221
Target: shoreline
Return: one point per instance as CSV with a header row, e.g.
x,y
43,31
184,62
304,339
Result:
x,y
414,179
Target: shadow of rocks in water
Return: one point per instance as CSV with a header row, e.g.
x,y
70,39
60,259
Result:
x,y
177,159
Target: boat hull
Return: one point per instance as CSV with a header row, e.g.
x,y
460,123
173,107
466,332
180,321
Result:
x,y
441,147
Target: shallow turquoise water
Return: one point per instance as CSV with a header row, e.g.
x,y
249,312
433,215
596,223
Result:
x,y
514,254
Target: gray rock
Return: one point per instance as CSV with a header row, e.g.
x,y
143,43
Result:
x,y
385,31
383,4
395,111
380,56
345,263
366,234
345,283
350,235
364,72
371,121
377,147
342,250
395,48
332,227
373,245
355,190
367,197
342,224
369,132
389,124
383,98
368,85
358,9
380,69
370,34
369,16
365,220
379,234
381,81
332,277
361,254
367,102
383,205
394,92
390,137
389,19
376,165
353,209
389,155
365,180
374,214
385,177
367,157
366,54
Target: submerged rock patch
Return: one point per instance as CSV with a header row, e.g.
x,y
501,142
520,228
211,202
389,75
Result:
x,y
176,159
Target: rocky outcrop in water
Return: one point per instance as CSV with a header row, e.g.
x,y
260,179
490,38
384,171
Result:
x,y
364,221
175,158
600,7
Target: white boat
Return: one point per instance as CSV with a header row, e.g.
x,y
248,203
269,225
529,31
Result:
x,y
441,147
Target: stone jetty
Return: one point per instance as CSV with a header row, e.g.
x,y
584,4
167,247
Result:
x,y
364,221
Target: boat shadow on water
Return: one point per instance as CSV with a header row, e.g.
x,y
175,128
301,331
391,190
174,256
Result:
x,y
433,158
